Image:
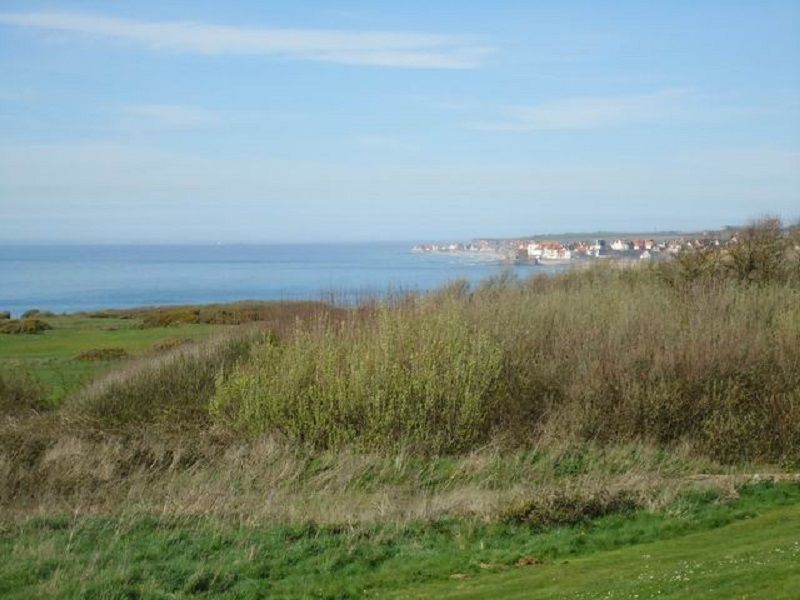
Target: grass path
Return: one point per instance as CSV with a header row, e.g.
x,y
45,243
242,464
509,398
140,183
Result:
x,y
754,558
50,357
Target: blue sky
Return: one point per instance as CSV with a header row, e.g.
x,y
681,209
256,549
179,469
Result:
x,y
296,121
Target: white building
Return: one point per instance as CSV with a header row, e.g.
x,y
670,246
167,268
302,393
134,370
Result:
x,y
619,246
534,250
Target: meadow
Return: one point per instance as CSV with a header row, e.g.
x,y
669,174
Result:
x,y
470,442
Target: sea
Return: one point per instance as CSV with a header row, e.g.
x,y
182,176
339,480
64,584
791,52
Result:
x,y
74,278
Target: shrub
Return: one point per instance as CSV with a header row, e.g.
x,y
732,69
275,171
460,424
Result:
x,y
100,354
4,315
24,326
236,313
569,508
412,376
164,318
760,253
35,312
693,350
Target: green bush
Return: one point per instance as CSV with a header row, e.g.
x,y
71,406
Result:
x,y
24,326
4,315
412,376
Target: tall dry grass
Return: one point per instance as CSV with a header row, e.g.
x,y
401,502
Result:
x,y
172,389
704,349
604,383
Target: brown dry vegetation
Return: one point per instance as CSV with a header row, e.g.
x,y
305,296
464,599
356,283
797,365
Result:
x,y
277,314
532,400
703,350
102,354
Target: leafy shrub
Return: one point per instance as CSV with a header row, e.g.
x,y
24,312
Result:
x,y
24,326
568,508
4,315
760,253
412,376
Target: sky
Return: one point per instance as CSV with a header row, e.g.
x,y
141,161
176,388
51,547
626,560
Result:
x,y
256,121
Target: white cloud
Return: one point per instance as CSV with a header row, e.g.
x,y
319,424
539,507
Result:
x,y
593,112
376,48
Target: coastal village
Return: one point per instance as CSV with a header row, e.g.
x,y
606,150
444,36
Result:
x,y
553,251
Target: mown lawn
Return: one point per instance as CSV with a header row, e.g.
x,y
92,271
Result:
x,y
702,547
50,356
755,558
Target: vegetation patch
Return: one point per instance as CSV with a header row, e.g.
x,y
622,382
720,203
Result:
x,y
170,343
667,353
35,312
570,508
174,387
423,378
20,393
102,354
140,555
23,326
235,313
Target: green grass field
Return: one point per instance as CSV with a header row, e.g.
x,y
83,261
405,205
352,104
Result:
x,y
702,547
50,357
756,558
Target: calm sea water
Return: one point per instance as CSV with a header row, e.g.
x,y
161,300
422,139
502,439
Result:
x,y
74,278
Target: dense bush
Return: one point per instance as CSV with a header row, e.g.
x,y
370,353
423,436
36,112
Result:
x,y
703,349
23,326
4,315
424,377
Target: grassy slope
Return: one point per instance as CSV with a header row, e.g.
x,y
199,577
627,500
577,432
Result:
x,y
751,545
755,558
50,356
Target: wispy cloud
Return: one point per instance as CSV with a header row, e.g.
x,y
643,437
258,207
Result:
x,y
374,48
592,112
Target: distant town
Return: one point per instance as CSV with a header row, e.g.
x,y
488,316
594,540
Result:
x,y
552,250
